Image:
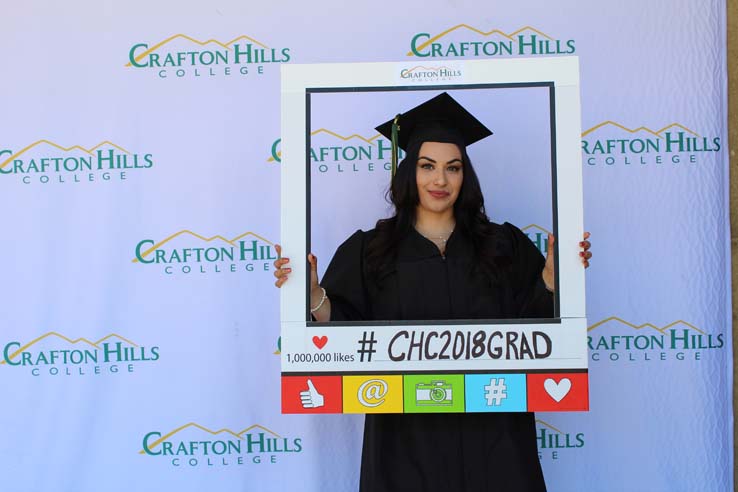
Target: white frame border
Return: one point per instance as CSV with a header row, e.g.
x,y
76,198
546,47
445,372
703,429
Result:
x,y
563,72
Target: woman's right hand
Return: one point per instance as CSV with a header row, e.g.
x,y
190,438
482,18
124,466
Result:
x,y
283,271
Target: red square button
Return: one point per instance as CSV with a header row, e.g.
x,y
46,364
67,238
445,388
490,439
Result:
x,y
558,392
312,394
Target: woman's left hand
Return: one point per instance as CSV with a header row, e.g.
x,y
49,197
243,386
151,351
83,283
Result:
x,y
548,270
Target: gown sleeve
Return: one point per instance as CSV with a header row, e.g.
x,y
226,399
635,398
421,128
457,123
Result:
x,y
344,281
529,290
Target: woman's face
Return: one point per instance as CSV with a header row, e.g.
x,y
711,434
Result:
x,y
439,174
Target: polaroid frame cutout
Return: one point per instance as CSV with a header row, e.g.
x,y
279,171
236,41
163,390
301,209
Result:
x,y
339,352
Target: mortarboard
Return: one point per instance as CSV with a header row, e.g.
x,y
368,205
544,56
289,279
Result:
x,y
440,119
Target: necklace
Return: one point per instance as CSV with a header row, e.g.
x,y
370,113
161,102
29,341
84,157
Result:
x,y
436,237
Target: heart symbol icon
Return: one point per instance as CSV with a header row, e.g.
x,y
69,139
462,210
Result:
x,y
559,390
321,341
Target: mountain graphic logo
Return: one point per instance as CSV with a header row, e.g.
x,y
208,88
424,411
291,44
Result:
x,y
552,438
143,254
535,228
44,142
429,69
277,154
611,142
228,45
53,353
656,133
645,326
224,432
466,27
525,41
45,161
11,356
182,51
196,440
189,252
422,73
538,236
616,335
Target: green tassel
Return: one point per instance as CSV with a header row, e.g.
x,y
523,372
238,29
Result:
x,y
395,149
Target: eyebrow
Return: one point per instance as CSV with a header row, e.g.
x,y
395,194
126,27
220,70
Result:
x,y
434,162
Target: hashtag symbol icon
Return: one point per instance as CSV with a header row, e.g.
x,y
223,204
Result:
x,y
495,392
370,341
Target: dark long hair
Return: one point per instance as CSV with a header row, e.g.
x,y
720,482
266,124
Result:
x,y
471,218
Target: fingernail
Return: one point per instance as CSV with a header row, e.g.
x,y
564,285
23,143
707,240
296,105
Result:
x,y
287,269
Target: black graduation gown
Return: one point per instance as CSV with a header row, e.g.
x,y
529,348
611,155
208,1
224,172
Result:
x,y
444,452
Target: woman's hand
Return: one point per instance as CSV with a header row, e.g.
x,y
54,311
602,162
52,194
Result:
x,y
585,254
548,270
283,271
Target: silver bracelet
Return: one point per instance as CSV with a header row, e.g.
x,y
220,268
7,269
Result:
x,y
320,304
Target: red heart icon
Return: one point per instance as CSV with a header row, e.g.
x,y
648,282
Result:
x,y
320,341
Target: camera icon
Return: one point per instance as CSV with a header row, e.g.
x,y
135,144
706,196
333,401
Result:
x,y
434,393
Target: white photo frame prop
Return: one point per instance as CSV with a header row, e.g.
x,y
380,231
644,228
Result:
x,y
433,366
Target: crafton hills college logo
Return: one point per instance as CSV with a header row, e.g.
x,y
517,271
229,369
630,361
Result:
x,y
181,56
538,236
554,443
614,339
447,73
46,162
187,252
193,445
612,144
332,152
53,354
463,40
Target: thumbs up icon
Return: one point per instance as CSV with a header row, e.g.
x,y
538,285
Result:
x,y
310,397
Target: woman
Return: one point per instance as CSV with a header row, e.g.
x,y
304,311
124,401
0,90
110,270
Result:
x,y
439,257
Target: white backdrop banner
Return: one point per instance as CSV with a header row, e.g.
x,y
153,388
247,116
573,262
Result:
x,y
139,174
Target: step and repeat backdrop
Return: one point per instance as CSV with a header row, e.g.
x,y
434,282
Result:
x,y
139,178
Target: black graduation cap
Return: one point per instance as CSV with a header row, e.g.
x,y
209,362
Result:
x,y
440,119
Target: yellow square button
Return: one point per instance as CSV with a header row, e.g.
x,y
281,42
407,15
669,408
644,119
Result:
x,y
372,394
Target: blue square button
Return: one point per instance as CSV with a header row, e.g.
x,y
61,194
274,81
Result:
x,y
496,393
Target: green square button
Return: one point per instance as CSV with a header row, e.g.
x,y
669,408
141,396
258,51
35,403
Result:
x,y
434,393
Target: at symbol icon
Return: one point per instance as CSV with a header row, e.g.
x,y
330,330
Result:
x,y
372,392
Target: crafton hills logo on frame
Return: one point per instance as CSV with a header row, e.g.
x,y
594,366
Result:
x,y
445,73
